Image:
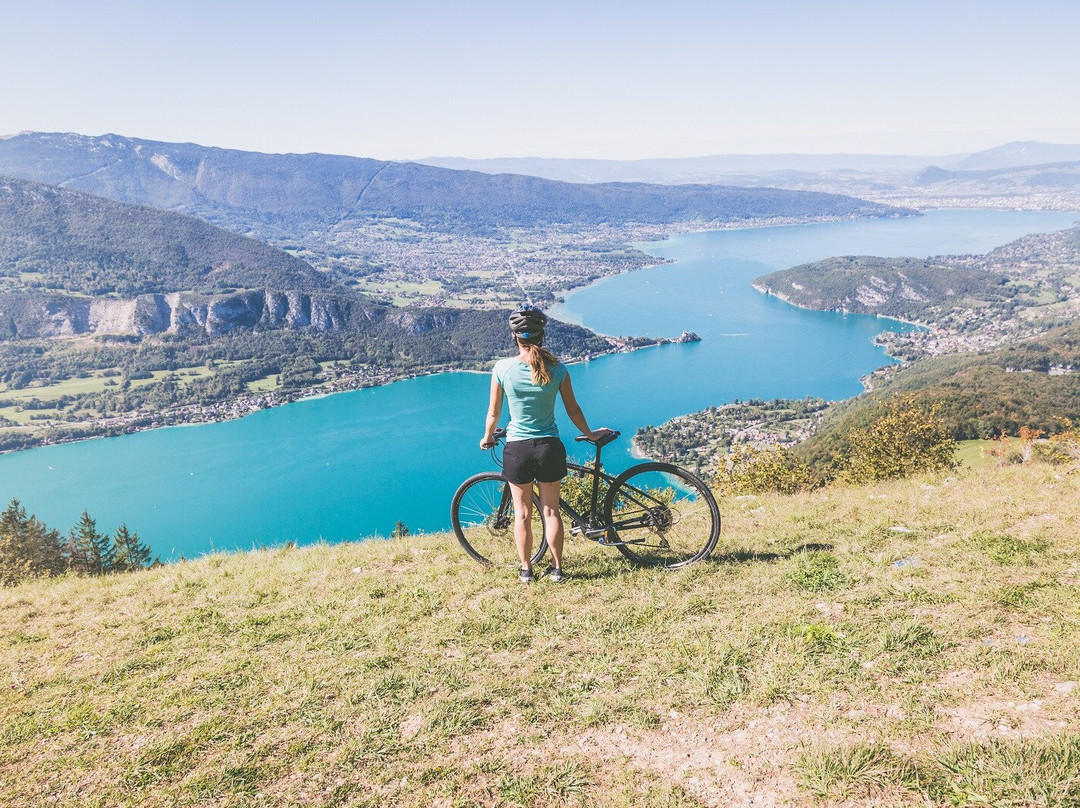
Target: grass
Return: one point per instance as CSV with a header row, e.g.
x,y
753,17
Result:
x,y
263,385
799,665
975,454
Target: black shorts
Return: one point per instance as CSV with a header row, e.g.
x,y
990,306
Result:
x,y
540,459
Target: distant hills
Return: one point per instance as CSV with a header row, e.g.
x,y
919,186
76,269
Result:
x,y
1013,178
1003,346
282,195
115,317
908,288
859,172
708,169
72,263
1018,153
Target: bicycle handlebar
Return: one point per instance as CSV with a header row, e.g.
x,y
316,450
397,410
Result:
x,y
500,434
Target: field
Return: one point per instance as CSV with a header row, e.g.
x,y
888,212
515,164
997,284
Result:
x,y
908,643
92,382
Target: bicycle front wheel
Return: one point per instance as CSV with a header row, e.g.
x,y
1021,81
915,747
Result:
x,y
662,515
482,515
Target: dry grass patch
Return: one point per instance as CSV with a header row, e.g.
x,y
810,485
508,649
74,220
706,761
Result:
x,y
801,663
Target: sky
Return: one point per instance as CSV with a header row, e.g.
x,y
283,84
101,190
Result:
x,y
407,79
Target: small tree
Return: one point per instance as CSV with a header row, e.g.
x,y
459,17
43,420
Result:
x,y
752,470
128,550
400,529
91,552
28,549
1064,445
908,437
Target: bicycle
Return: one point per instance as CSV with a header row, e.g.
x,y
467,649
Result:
x,y
653,513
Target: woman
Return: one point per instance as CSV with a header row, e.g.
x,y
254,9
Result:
x,y
530,382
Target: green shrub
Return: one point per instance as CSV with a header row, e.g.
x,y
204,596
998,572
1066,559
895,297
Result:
x,y
906,438
752,470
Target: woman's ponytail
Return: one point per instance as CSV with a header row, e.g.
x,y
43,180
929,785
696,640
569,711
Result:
x,y
541,361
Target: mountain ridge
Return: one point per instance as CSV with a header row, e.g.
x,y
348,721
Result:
x,y
314,190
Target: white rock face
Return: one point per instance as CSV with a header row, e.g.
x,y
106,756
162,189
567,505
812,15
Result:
x,y
63,316
112,317
166,166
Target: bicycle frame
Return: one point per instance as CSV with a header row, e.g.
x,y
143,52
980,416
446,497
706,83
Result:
x,y
639,511
592,525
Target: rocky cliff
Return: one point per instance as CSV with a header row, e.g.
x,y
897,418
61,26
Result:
x,y
53,315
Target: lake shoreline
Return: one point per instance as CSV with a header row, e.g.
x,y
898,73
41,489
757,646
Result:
x,y
348,467
768,292
242,406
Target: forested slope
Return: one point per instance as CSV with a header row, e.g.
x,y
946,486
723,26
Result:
x,y
1033,384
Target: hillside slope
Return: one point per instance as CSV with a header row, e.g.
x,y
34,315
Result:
x,y
908,643
1034,384
115,317
57,239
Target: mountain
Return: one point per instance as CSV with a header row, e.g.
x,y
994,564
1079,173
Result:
x,y
52,238
1018,153
72,263
1034,274
115,317
292,194
1002,347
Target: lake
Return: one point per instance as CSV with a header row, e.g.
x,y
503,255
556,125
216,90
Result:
x,y
349,466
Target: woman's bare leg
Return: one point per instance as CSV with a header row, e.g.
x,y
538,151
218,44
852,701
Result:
x,y
523,534
553,527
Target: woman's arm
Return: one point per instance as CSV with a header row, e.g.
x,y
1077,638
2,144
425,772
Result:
x,y
494,411
573,409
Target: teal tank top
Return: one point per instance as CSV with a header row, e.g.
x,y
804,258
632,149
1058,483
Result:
x,y
532,406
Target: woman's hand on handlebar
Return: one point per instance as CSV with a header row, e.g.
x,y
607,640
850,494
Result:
x,y
492,438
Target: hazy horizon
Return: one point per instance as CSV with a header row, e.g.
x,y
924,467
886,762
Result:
x,y
498,157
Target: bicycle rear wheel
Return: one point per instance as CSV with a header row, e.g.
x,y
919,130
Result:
x,y
482,515
662,515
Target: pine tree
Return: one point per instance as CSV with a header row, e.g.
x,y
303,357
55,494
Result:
x,y
28,549
91,552
129,552
400,529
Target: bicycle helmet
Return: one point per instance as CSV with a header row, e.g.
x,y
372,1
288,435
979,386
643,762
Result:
x,y
528,323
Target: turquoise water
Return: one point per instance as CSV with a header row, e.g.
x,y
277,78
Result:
x,y
350,465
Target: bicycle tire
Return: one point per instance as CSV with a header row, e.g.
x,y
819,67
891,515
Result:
x,y
482,515
662,515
